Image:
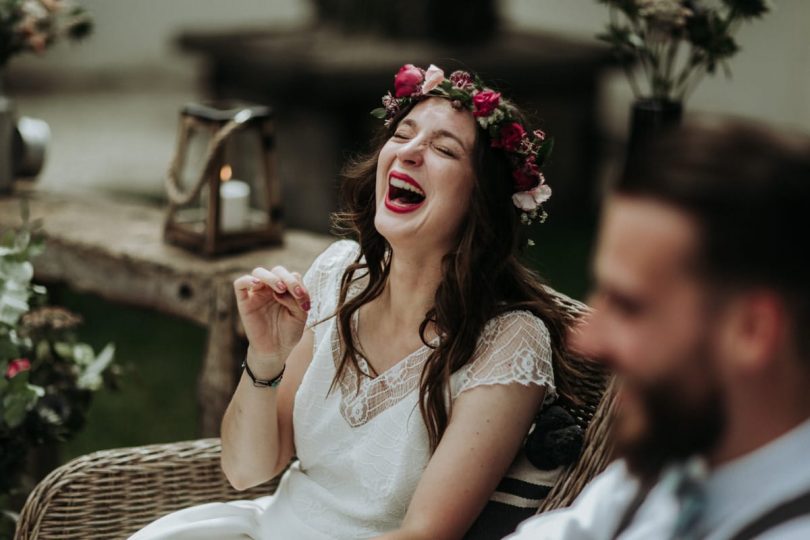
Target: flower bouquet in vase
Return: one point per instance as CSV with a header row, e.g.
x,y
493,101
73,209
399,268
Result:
x,y
666,47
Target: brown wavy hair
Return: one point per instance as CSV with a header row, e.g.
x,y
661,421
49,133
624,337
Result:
x,y
482,276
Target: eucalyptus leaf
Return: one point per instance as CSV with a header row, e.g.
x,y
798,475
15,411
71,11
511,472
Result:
x,y
12,305
19,400
65,350
83,354
20,272
90,379
379,112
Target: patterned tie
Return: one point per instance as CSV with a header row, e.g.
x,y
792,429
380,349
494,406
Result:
x,y
689,489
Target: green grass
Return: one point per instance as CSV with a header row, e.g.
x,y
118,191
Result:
x,y
162,356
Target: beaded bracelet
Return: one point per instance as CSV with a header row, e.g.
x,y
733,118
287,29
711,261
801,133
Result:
x,y
263,383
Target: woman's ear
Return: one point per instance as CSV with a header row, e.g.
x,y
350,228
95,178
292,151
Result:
x,y
756,329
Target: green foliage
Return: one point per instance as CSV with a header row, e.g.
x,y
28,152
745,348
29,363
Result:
x,y
47,376
675,42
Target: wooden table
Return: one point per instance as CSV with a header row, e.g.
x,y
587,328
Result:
x,y
115,249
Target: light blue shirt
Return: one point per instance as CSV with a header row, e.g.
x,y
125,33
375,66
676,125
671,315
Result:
x,y
737,493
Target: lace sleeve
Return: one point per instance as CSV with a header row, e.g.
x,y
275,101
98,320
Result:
x,y
323,278
514,347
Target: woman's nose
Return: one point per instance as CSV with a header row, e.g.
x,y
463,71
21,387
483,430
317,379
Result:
x,y
411,153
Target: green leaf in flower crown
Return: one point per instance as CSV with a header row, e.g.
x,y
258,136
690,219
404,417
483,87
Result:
x,y
461,95
90,379
545,151
379,113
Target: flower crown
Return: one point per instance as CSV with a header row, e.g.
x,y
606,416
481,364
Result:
x,y
527,151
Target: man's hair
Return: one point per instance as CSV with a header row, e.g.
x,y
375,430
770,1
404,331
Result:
x,y
748,188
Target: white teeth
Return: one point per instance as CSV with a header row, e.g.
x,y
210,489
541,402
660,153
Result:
x,y
402,184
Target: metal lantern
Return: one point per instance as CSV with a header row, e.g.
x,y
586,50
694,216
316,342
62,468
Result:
x,y
222,190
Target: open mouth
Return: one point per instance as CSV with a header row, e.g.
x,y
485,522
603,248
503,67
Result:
x,y
404,193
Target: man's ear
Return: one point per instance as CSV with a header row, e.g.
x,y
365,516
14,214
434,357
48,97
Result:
x,y
755,330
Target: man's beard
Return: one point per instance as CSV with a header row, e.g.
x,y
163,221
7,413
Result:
x,y
675,426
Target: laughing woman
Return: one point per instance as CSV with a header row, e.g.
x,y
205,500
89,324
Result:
x,y
405,368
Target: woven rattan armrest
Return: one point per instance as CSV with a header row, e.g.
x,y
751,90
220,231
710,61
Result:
x,y
113,493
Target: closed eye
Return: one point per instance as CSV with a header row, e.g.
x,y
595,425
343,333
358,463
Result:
x,y
446,151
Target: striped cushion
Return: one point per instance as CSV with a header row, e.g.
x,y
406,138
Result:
x,y
516,498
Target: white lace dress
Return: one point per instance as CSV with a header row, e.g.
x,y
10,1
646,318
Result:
x,y
361,448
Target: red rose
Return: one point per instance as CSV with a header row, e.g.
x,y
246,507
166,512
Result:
x,y
485,102
407,80
510,137
16,366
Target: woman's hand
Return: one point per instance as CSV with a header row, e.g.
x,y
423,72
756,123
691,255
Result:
x,y
273,306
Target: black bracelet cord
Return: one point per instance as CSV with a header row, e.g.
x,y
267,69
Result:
x,y
263,383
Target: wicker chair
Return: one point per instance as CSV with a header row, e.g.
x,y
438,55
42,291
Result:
x,y
113,493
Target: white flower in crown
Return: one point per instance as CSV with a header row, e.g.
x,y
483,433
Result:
x,y
533,198
433,78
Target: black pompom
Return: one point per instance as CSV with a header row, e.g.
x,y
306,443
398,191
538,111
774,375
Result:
x,y
556,439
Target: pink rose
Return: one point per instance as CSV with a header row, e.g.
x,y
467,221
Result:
x,y
510,137
485,102
531,199
433,78
407,81
16,366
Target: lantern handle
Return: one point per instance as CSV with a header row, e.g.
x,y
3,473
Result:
x,y
178,197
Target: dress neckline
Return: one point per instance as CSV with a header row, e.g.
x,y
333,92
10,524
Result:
x,y
365,363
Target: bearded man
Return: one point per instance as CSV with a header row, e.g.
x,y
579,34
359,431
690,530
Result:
x,y
702,310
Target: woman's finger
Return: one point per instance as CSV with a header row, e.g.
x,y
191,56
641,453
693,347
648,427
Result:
x,y
245,282
294,285
291,304
271,279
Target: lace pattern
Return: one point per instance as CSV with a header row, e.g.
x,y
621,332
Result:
x,y
513,348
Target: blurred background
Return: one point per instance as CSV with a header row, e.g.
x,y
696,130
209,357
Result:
x,y
112,103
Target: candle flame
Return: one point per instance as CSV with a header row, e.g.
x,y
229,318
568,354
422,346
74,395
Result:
x,y
225,173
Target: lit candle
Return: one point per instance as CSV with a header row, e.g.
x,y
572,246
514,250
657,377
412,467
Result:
x,y
234,198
